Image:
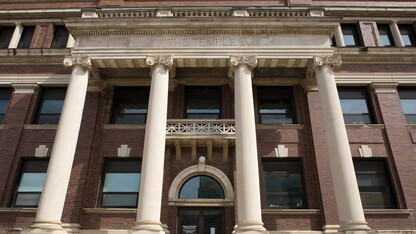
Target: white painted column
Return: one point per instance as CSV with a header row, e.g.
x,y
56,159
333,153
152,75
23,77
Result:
x,y
70,43
17,33
347,195
339,37
150,194
396,34
248,187
52,200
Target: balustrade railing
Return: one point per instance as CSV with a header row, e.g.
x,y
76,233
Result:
x,y
202,127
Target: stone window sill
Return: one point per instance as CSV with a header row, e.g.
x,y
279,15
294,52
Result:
x,y
202,202
410,126
18,210
290,211
40,126
279,126
124,126
110,211
364,126
388,211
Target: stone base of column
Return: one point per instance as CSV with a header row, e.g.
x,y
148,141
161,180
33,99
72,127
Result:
x,y
354,227
148,227
331,228
166,228
46,224
250,227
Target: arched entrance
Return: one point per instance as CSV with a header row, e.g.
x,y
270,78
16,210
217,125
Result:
x,y
201,194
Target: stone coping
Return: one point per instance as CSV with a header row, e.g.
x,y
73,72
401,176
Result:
x,y
290,211
388,211
18,210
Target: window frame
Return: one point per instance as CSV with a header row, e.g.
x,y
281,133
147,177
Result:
x,y
102,183
282,89
18,181
355,34
302,182
55,36
389,182
4,89
41,102
411,31
115,100
401,91
389,35
367,101
7,39
220,100
21,44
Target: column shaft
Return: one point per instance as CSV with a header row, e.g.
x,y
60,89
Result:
x,y
396,34
150,195
339,37
248,188
14,41
54,191
348,199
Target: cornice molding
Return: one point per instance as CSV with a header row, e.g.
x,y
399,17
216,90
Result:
x,y
378,59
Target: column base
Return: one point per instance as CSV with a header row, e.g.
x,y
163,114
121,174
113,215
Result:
x,y
250,227
147,227
355,227
46,225
331,228
166,228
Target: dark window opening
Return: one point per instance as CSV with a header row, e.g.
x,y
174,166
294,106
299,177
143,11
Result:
x,y
50,107
408,35
408,101
201,187
30,183
374,184
6,34
385,35
60,37
120,184
276,105
350,34
26,37
130,105
4,102
283,184
333,42
203,102
355,105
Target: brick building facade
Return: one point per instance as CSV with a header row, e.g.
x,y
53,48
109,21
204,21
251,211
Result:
x,y
278,116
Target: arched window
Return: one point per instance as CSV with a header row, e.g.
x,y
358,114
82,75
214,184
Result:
x,y
201,187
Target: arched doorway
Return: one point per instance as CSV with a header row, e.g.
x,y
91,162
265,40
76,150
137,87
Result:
x,y
201,195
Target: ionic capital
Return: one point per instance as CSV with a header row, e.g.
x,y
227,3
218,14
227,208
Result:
x,y
235,62
84,62
320,61
160,60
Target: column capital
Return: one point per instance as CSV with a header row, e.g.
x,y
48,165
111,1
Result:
x,y
235,61
24,88
84,62
166,61
320,61
384,87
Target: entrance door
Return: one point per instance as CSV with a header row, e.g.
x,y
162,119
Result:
x,y
201,221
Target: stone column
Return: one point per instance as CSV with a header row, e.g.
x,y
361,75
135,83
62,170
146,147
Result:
x,y
396,34
48,216
339,37
248,188
150,195
350,210
14,41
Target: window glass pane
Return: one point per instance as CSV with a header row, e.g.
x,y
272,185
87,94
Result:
x,y
122,182
130,105
374,184
119,200
275,105
354,105
26,37
203,102
283,184
385,35
409,106
6,34
408,101
4,102
350,34
60,37
51,105
408,35
32,182
201,187
27,199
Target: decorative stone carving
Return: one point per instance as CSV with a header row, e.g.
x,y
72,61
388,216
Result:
x,y
319,61
124,151
160,60
24,88
281,151
250,61
84,62
41,151
384,87
365,151
201,128
309,85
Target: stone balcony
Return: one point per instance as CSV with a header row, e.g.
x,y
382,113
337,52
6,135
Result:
x,y
200,133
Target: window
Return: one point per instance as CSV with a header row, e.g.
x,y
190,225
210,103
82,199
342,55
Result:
x,y
283,184
275,105
350,35
408,34
26,37
374,184
60,37
30,185
4,102
201,187
408,100
333,42
130,105
203,102
6,34
50,106
385,35
120,183
354,104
